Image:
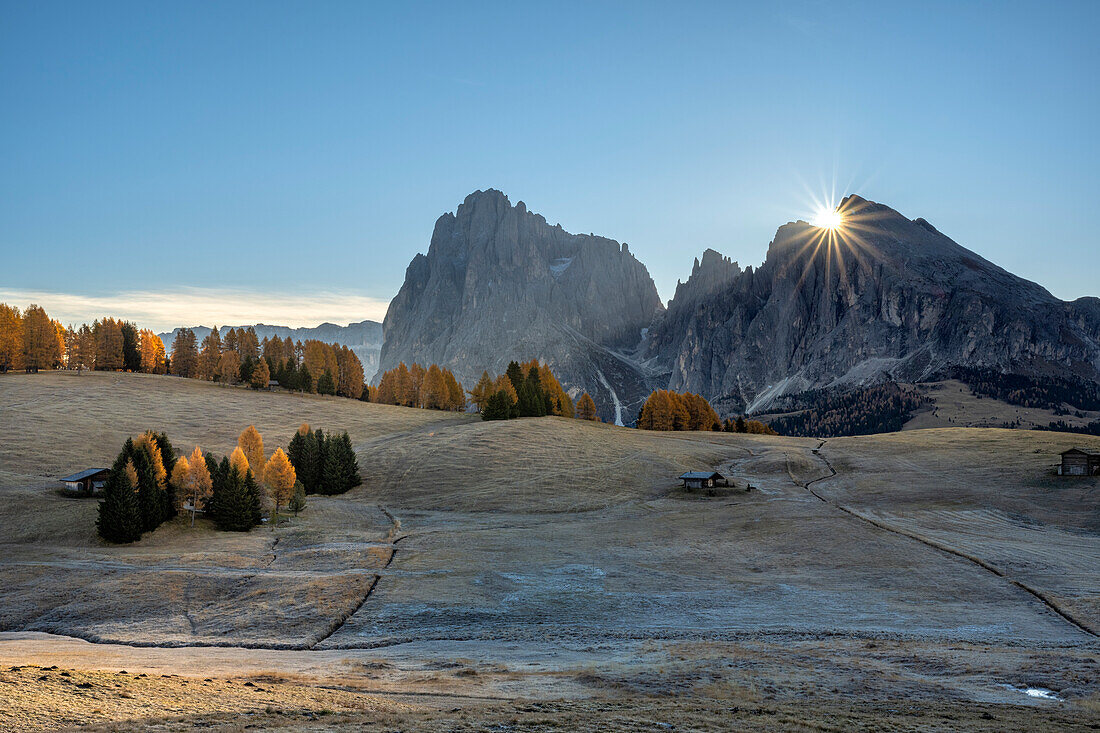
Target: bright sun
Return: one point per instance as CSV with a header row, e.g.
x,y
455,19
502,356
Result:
x,y
828,219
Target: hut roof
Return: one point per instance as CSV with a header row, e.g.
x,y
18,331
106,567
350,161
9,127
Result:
x,y
701,474
1078,449
85,474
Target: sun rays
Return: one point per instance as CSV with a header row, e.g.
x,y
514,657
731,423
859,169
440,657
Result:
x,y
836,239
827,219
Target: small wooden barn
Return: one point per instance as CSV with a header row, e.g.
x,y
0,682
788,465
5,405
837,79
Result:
x,y
87,481
1080,462
703,479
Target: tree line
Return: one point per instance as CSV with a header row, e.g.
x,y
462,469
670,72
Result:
x,y
880,408
310,366
434,388
527,390
1045,393
668,410
148,485
31,340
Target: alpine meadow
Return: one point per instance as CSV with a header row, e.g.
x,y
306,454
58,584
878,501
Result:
x,y
311,423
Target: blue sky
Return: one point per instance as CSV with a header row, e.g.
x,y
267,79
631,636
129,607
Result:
x,y
285,161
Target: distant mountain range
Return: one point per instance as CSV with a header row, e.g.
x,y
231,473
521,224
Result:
x,y
364,338
883,298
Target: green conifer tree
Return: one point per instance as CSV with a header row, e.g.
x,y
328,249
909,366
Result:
x,y
326,384
499,407
515,373
150,497
348,464
235,510
254,506
119,518
298,500
295,452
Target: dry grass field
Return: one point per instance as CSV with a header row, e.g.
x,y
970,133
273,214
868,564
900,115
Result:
x,y
953,405
547,574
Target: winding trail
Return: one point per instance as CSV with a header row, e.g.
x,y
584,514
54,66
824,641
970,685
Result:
x,y
1042,597
395,527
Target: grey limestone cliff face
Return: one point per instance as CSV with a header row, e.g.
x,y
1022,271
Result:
x,y
887,297
500,283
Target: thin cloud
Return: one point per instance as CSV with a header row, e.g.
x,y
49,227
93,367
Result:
x,y
163,310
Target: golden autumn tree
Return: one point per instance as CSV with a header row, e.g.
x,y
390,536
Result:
x,y
239,461
349,379
131,474
417,374
433,392
147,441
456,396
319,358
586,408
61,333
503,384
200,485
248,344
403,388
41,347
261,375
251,444
279,478
482,391
210,355
180,481
386,394
108,344
11,338
229,367
152,352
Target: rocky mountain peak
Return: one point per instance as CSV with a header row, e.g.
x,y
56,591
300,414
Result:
x,y
882,297
499,283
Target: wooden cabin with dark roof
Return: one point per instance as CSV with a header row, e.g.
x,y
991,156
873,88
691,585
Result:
x,y
703,479
88,481
1080,462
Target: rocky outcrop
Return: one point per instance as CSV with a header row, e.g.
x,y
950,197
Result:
x,y
499,283
883,298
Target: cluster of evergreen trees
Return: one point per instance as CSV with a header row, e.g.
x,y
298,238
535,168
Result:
x,y
235,500
434,388
881,408
741,425
527,390
312,366
1061,426
137,495
668,410
1045,393
323,464
148,485
31,340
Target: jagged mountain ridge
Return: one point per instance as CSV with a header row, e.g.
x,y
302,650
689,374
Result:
x,y
892,298
500,283
364,337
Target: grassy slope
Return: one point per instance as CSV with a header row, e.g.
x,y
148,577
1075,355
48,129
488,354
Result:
x,y
494,546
